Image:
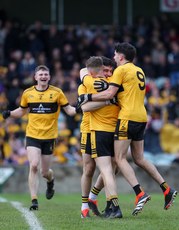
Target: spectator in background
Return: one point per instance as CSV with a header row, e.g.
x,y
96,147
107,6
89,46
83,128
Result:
x,y
170,136
54,40
173,59
13,93
68,57
35,45
152,134
12,71
26,68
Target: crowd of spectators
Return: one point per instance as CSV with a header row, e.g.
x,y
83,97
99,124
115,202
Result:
x,y
65,51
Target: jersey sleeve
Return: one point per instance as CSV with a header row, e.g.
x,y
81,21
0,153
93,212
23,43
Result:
x,y
117,77
24,100
81,90
62,99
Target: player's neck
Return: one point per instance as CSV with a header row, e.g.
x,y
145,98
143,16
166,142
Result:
x,y
41,87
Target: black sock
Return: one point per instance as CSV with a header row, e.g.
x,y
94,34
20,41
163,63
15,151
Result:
x,y
115,204
137,189
164,186
35,201
108,205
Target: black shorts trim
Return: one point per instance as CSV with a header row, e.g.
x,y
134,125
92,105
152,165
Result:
x,y
86,143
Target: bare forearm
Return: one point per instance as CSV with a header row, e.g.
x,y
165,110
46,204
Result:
x,y
91,106
105,95
18,113
70,110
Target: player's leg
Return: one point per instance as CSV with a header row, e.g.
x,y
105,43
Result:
x,y
99,185
86,180
93,202
105,166
121,148
89,166
138,156
46,161
124,133
34,155
48,174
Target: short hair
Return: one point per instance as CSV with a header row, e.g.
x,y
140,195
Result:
x,y
41,67
108,62
94,62
127,49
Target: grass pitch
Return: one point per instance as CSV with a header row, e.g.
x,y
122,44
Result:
x,y
63,213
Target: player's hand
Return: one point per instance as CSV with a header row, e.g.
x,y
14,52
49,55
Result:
x,y
83,98
6,114
78,108
114,101
100,85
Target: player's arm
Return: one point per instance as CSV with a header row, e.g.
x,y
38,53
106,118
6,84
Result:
x,y
91,106
17,113
70,110
83,73
106,94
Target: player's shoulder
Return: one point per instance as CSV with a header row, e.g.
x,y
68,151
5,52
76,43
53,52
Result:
x,y
54,88
28,90
87,78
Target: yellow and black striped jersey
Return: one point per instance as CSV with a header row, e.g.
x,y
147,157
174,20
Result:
x,y
105,118
84,126
44,108
131,82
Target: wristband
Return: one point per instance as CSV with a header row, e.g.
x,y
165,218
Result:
x,y
90,97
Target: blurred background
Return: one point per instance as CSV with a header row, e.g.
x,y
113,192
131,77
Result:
x,y
63,34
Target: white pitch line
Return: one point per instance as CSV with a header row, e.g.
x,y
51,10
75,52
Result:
x,y
29,216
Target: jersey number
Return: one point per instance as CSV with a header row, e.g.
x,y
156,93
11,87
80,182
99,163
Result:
x,y
141,78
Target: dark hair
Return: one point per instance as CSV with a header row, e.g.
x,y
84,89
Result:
x,y
108,62
41,67
94,62
127,49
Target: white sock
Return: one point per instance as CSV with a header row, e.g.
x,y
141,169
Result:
x,y
92,196
84,206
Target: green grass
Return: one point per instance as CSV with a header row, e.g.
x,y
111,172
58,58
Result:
x,y
63,213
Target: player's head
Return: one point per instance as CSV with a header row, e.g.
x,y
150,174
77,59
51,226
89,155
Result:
x,y
108,66
42,74
95,65
124,52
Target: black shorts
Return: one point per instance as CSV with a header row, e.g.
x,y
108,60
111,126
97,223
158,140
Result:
x,y
86,143
102,144
126,129
46,146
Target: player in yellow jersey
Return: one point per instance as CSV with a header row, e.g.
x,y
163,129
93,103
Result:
x,y
89,198
102,126
43,103
129,80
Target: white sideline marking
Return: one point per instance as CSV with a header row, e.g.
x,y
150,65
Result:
x,y
31,219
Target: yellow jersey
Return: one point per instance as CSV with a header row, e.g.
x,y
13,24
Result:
x,y
105,118
44,108
84,126
131,94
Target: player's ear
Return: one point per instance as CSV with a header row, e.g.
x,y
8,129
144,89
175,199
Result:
x,y
35,77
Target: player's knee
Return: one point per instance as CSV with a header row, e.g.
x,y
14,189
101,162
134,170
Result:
x,y
89,172
34,167
138,162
